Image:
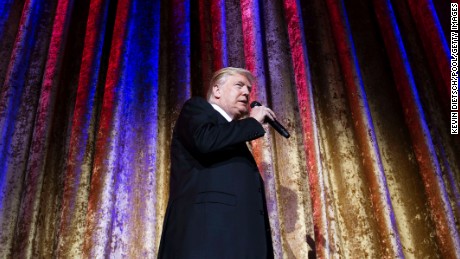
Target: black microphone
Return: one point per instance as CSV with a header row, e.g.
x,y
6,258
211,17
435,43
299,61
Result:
x,y
274,123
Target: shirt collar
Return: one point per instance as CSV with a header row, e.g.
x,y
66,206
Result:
x,y
222,112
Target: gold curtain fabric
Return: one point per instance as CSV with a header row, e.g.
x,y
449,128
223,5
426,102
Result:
x,y
90,90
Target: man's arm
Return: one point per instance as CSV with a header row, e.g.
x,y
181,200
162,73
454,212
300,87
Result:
x,y
198,127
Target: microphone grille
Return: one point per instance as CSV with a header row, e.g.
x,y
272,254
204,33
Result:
x,y
255,103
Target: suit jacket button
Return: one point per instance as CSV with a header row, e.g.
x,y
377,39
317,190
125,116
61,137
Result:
x,y
261,212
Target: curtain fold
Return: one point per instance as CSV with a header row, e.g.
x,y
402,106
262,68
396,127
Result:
x,y
82,136
91,89
433,41
383,224
308,123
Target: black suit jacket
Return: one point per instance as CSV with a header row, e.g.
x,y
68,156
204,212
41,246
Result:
x,y
217,206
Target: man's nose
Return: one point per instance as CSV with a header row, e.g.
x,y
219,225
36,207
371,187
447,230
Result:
x,y
246,90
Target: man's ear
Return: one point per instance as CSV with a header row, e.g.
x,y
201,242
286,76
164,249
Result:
x,y
216,91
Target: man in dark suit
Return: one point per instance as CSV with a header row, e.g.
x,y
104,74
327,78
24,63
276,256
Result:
x,y
217,205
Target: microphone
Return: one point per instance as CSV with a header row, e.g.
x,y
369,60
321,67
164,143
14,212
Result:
x,y
274,123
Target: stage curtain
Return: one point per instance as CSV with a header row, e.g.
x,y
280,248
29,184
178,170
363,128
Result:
x,y
90,91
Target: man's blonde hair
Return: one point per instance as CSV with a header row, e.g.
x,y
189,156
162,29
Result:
x,y
220,76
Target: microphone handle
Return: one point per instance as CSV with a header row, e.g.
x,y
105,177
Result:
x,y
278,127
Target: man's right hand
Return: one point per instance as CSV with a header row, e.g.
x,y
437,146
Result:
x,y
260,112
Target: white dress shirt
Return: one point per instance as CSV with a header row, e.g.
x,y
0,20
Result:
x,y
221,111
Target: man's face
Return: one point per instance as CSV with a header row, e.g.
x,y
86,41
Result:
x,y
234,95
